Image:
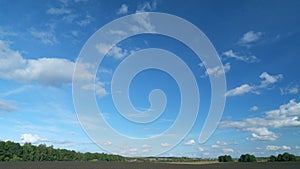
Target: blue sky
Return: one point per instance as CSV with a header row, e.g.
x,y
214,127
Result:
x,y
257,43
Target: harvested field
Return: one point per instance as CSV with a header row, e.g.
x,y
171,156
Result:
x,y
124,165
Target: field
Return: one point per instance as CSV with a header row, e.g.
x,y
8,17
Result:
x,y
124,165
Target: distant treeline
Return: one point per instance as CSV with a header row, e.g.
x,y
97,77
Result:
x,y
10,151
251,158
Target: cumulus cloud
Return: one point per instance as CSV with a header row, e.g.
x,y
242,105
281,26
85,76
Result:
x,y
114,51
30,138
237,56
245,88
250,37
266,81
98,87
201,149
215,146
190,142
44,71
286,116
6,106
227,150
123,9
218,70
275,148
165,144
262,134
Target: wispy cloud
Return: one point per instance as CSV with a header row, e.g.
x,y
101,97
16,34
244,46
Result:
x,y
7,106
275,148
85,21
254,108
218,70
147,6
286,116
266,81
290,89
46,37
165,144
115,51
245,88
123,9
250,37
58,11
237,56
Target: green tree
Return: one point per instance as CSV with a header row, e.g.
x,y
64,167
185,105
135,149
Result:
x,y
286,157
225,158
272,158
247,158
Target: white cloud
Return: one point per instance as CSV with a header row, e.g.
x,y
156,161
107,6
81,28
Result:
x,y
201,149
143,24
58,11
115,51
147,6
98,87
107,143
6,32
86,21
254,108
269,79
245,88
286,116
6,106
46,37
218,70
237,56
45,71
262,134
123,9
275,148
289,90
190,142
221,143
250,37
165,144
215,146
30,138
227,150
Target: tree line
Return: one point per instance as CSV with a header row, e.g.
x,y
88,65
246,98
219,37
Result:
x,y
251,158
10,151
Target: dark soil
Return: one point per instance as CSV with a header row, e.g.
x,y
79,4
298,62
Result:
x,y
127,165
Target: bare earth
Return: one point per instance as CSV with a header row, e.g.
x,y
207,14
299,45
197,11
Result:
x,y
127,165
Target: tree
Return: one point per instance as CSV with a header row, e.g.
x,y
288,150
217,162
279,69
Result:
x,y
247,158
286,157
10,151
225,158
272,158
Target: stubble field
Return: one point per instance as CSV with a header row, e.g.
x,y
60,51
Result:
x,y
126,165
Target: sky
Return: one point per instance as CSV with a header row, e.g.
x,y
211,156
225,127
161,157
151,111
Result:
x,y
257,43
